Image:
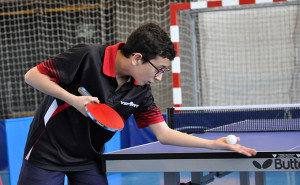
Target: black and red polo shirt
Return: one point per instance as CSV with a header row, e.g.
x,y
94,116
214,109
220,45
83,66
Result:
x,y
60,137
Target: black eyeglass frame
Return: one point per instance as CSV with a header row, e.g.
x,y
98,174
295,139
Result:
x,y
159,71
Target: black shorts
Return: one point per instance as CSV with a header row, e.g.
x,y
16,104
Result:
x,y
32,175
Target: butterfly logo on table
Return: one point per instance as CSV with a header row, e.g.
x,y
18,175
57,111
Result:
x,y
291,162
264,165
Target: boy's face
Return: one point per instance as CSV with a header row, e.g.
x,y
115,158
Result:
x,y
151,71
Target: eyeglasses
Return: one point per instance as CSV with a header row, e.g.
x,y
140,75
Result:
x,y
160,71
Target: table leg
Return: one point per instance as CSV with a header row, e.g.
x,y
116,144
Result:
x,y
171,178
196,177
260,178
199,178
244,178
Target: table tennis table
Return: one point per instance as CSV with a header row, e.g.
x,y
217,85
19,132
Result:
x,y
277,151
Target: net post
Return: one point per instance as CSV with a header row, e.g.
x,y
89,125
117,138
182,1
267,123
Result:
x,y
170,117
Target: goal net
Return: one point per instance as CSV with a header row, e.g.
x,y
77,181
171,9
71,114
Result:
x,y
242,55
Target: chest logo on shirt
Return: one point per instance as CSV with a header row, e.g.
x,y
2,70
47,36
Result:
x,y
131,104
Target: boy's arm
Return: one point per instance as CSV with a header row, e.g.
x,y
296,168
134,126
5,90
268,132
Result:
x,y
169,136
42,82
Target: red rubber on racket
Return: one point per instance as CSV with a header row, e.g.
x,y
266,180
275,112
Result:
x,y
103,115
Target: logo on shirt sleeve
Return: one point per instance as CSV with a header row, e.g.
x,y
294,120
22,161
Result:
x,y
131,104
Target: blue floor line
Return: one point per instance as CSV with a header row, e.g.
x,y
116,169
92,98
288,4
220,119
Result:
x,y
156,178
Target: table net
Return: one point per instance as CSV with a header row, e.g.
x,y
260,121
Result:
x,y
254,118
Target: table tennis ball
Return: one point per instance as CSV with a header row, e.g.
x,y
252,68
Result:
x,y
231,139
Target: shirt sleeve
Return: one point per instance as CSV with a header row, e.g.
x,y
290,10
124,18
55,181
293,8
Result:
x,y
149,113
151,116
63,67
50,69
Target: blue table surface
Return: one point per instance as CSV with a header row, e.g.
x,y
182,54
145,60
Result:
x,y
261,141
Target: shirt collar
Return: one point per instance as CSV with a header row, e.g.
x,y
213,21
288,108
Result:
x,y
110,60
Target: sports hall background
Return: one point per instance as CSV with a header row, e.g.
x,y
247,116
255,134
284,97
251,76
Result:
x,y
244,55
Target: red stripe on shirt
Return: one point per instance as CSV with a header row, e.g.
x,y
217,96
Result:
x,y
50,69
27,157
60,108
151,116
54,72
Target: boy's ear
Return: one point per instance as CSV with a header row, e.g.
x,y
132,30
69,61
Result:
x,y
136,59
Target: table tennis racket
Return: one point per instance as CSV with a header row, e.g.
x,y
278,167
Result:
x,y
102,114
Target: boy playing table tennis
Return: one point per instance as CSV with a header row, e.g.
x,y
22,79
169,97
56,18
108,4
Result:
x,y
63,141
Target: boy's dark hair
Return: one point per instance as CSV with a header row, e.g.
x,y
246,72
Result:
x,y
151,41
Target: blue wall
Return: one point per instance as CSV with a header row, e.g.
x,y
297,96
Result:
x,y
16,131
132,136
3,152
16,135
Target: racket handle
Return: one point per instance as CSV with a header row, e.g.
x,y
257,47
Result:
x,y
83,91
